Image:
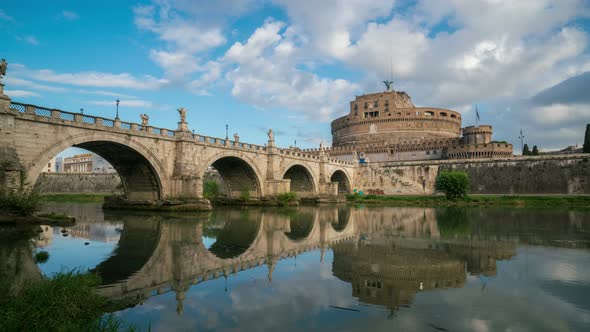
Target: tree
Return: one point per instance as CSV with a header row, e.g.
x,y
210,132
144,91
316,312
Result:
x,y
535,151
453,183
526,151
587,140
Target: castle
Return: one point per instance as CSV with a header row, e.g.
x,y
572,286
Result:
x,y
386,126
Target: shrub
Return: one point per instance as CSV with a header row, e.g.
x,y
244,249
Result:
x,y
41,257
286,198
211,189
22,201
245,194
453,184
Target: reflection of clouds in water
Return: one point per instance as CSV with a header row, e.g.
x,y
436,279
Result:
x,y
478,325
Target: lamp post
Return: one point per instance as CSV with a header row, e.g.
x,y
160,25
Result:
x,y
117,116
226,131
81,111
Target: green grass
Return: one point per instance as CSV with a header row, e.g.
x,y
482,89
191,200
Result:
x,y
75,198
507,200
64,302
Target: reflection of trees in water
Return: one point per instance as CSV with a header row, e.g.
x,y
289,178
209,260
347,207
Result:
x,y
301,224
17,265
453,221
234,231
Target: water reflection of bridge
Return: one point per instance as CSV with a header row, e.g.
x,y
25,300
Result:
x,y
159,256
388,255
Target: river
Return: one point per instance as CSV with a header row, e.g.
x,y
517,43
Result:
x,y
327,267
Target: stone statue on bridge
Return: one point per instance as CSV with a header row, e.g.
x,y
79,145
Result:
x,y
271,135
144,120
182,112
388,84
236,137
3,66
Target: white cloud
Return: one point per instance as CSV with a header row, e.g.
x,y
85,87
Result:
x,y
28,39
99,79
70,15
184,39
21,93
263,77
126,103
107,93
5,17
19,82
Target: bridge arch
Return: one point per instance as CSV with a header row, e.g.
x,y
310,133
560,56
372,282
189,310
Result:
x,y
302,179
340,177
238,173
141,172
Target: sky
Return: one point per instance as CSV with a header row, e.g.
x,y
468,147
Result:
x,y
293,66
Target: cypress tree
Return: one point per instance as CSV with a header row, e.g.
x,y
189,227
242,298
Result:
x,y
535,151
587,140
525,150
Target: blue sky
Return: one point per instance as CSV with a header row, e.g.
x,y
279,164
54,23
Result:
x,y
294,65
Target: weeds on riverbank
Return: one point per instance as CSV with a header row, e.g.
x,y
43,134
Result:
x,y
22,201
286,198
64,302
477,200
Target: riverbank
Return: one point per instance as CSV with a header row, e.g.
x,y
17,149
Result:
x,y
75,198
40,304
476,200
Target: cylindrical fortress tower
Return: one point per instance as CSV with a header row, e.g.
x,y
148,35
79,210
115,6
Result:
x,y
477,135
391,117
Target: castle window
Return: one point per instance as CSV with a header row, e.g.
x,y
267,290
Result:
x,y
399,113
428,113
443,114
376,104
386,109
371,114
453,116
356,107
387,103
366,105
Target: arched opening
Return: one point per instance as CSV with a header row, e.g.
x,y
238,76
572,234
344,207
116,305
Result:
x,y
234,178
300,224
301,180
232,230
342,180
137,242
343,218
86,166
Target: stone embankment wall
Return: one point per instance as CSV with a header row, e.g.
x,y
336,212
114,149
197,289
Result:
x,y
529,175
78,183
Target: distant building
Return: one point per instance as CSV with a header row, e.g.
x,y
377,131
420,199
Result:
x,y
87,163
50,167
569,150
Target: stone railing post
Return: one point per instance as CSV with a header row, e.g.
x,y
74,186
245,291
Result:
x,y
78,117
117,123
30,109
55,114
98,121
164,132
133,127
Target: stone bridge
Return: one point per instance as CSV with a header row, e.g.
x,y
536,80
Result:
x,y
156,163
